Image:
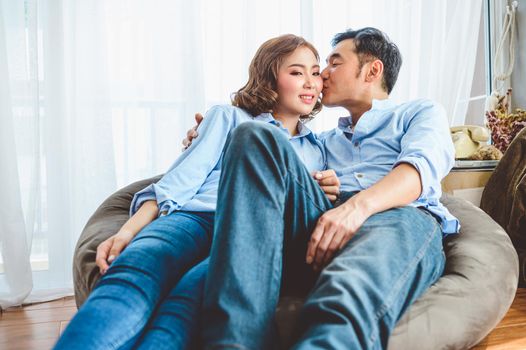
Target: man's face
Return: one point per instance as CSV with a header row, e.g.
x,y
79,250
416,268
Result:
x,y
342,78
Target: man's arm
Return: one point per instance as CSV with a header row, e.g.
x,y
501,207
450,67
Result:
x,y
400,187
426,156
336,227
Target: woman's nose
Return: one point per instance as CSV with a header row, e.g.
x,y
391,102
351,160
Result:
x,y
308,84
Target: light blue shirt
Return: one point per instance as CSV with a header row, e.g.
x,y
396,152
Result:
x,y
192,182
416,132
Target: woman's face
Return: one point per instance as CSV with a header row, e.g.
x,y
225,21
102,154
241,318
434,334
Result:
x,y
298,84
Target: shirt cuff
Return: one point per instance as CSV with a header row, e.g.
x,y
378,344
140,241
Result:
x,y
140,197
422,167
167,207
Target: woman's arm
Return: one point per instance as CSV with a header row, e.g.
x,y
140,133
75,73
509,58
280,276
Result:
x,y
180,183
327,179
191,169
108,250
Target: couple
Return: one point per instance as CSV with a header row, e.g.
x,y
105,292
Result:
x,y
364,258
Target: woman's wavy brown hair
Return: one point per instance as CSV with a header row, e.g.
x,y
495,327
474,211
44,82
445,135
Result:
x,y
259,93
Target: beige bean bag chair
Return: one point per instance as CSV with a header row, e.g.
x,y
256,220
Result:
x,y
467,302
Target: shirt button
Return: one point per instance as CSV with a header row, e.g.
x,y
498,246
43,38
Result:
x,y
356,144
359,175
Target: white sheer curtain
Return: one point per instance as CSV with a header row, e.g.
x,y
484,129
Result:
x,y
437,39
17,158
56,114
97,94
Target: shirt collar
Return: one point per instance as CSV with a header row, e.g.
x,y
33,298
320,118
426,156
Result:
x,y
303,130
385,103
345,123
265,117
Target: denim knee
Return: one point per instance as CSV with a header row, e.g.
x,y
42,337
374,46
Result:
x,y
247,135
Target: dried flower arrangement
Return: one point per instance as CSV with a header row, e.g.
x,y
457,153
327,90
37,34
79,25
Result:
x,y
504,126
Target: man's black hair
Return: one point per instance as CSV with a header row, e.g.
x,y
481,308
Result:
x,y
372,43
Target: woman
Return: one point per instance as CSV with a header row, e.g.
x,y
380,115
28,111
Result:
x,y
143,300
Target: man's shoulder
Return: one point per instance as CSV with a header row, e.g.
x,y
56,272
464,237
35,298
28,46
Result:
x,y
228,109
419,104
228,113
327,134
421,108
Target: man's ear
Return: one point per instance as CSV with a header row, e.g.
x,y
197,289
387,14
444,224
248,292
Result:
x,y
375,72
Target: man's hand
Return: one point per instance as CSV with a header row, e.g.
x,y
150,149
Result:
x,y
108,250
336,227
192,133
329,183
333,230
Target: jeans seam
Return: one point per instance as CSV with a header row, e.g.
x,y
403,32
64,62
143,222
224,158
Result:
x,y
382,311
226,345
307,193
135,331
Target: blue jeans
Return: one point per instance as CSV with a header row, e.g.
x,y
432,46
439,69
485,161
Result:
x,y
144,299
177,321
269,206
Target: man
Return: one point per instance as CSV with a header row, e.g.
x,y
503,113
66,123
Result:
x,y
365,259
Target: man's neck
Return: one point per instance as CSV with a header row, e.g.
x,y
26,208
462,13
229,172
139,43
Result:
x,y
358,108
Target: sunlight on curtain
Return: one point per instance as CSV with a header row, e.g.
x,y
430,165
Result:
x,y
437,39
100,93
19,157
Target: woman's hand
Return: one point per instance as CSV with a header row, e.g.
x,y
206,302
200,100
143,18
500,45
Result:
x,y
108,250
329,183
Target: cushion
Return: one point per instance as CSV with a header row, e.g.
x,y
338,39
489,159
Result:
x,y
504,197
105,222
457,312
474,293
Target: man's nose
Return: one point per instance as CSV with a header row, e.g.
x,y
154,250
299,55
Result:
x,y
325,74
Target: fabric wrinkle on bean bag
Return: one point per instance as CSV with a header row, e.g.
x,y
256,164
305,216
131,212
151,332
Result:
x,y
467,302
474,293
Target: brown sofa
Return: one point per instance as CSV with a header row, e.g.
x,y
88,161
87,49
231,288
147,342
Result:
x,y
504,197
467,302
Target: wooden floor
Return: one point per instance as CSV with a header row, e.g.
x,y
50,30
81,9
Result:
x,y
38,326
35,326
510,333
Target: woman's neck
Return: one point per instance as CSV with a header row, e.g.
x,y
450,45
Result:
x,y
289,122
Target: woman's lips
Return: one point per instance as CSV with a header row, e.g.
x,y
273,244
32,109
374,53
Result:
x,y
307,98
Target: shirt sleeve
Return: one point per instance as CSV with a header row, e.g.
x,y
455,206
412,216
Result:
x,y
427,146
186,176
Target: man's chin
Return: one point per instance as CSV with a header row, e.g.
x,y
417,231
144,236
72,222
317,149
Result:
x,y
327,102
